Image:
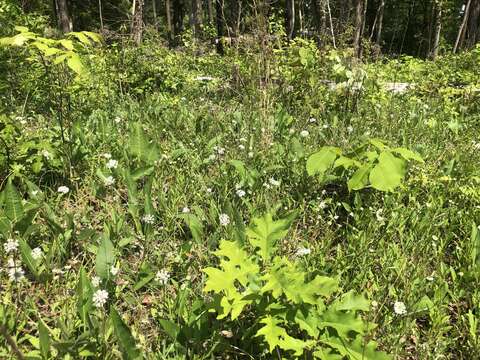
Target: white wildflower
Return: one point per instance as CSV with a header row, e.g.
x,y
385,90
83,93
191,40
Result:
x,y
326,126
106,155
291,131
350,129
242,139
374,304
117,120
162,276
312,120
274,182
224,219
46,154
16,273
221,151
241,147
36,253
304,133
209,190
250,154
240,193
379,216
303,251
109,181
399,308
10,246
114,270
204,78
148,219
323,205
96,281
63,189
212,157
112,164
185,210
100,298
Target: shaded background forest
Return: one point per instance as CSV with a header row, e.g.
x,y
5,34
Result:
x,y
420,28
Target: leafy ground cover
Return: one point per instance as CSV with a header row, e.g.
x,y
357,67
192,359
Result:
x,y
165,204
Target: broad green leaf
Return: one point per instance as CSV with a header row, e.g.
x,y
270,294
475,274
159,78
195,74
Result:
x,y
81,37
84,297
322,160
44,337
141,147
408,154
355,350
195,226
27,259
170,328
124,336
274,336
21,28
351,301
94,36
105,257
12,202
379,144
359,178
74,63
67,44
388,173
142,172
342,322
264,233
475,246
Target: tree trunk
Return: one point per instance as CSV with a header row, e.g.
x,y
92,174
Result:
x,y
177,17
196,16
154,9
438,28
100,14
137,21
461,30
359,20
290,18
379,23
64,21
210,12
473,28
219,21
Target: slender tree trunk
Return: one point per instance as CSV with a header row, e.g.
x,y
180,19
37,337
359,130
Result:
x,y
473,28
210,11
137,21
438,28
461,30
177,16
359,20
100,14
290,18
220,27
64,21
379,23
168,14
331,24
154,9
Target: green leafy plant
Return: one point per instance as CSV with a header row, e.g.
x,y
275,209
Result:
x,y
290,310
373,164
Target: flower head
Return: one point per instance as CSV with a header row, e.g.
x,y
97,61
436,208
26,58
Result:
x,y
162,276
303,251
10,246
185,210
46,154
241,193
112,164
148,219
37,253
304,133
63,189
16,274
109,181
399,308
274,182
96,281
100,298
224,219
114,270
